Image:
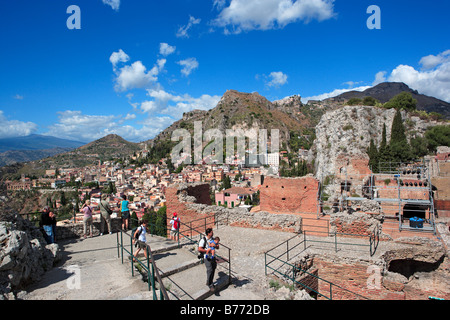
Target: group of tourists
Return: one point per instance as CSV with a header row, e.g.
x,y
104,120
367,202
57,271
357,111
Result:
x,y
206,248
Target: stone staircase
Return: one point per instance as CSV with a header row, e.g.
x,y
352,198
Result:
x,y
183,274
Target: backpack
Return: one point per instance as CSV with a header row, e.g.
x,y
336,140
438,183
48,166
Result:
x,y
176,223
200,254
136,236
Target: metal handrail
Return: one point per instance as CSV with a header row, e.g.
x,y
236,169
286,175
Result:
x,y
296,269
373,238
151,276
201,235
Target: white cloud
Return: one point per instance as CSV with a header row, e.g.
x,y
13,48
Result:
x,y
219,4
277,79
175,105
380,77
183,31
166,49
117,57
433,80
333,93
135,75
431,61
189,65
115,4
15,128
78,126
247,15
18,97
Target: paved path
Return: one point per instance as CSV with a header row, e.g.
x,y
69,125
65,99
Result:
x,y
89,270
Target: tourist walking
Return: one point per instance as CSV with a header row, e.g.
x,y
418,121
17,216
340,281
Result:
x,y
125,211
175,229
140,236
210,262
106,212
87,218
46,223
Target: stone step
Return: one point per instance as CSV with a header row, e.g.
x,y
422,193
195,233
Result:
x,y
183,274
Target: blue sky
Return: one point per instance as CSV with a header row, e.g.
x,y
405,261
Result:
x,y
135,66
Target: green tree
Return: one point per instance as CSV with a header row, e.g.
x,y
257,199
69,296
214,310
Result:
x,y
403,100
372,151
226,183
370,101
438,136
400,150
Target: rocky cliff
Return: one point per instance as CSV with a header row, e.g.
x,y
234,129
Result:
x,y
346,133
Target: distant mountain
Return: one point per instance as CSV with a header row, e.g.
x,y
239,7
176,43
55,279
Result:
x,y
33,147
15,156
37,142
383,92
106,148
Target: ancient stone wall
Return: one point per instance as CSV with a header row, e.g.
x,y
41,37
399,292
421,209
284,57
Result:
x,y
192,204
289,195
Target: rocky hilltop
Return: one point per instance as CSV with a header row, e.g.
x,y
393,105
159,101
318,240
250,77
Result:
x,y
383,92
347,131
246,111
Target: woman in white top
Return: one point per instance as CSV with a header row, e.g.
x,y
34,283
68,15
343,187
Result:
x,y
142,239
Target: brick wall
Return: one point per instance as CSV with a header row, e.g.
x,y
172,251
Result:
x,y
365,279
289,195
200,194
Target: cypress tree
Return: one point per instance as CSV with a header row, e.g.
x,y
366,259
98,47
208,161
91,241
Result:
x,y
398,129
400,149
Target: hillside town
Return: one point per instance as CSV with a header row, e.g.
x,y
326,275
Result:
x,y
144,186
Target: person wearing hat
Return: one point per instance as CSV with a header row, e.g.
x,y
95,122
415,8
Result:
x,y
174,231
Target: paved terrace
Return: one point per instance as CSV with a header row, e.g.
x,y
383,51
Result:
x,y
94,263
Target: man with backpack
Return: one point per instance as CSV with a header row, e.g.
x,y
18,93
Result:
x,y
175,222
210,262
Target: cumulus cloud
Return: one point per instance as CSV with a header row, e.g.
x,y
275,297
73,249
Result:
x,y
114,4
75,125
432,80
135,75
15,128
333,93
166,103
277,79
431,61
183,31
247,15
188,65
166,49
380,77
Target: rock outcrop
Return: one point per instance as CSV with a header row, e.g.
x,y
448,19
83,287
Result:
x,y
347,131
24,256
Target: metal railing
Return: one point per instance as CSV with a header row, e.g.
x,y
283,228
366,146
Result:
x,y
188,232
153,275
276,259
